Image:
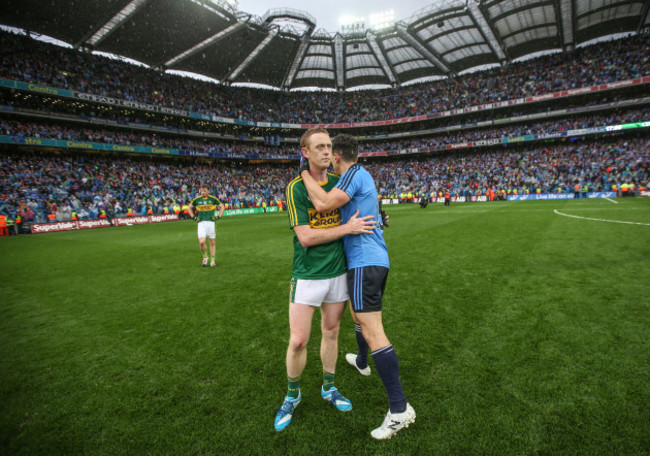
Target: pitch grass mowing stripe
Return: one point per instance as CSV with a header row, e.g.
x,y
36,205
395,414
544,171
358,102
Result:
x,y
518,332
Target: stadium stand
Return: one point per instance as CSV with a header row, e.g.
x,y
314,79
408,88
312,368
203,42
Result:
x,y
64,182
620,60
157,139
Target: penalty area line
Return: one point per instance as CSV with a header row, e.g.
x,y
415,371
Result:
x,y
599,220
613,201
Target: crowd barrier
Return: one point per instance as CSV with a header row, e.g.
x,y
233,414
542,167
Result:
x,y
530,197
560,196
145,219
130,221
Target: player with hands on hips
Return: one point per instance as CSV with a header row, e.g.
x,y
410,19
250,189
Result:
x,y
206,209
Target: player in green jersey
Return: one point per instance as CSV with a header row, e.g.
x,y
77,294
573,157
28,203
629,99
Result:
x,y
204,210
318,276
368,266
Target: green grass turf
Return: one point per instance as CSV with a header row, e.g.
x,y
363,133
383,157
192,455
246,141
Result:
x,y
519,331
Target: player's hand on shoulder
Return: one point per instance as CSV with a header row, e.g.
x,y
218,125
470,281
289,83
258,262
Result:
x,y
304,165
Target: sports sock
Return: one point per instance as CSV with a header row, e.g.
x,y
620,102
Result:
x,y
388,368
328,380
293,387
362,355
211,258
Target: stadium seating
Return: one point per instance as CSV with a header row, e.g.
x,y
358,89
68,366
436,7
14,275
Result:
x,y
57,182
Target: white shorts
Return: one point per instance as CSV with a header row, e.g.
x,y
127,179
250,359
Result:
x,y
206,230
316,292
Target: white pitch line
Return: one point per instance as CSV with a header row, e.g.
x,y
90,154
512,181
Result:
x,y
599,220
608,199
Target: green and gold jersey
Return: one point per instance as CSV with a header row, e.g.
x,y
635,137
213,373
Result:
x,y
322,261
206,207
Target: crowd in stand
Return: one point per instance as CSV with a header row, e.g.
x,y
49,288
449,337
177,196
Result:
x,y
40,186
597,165
509,131
46,186
61,184
178,125
27,60
196,147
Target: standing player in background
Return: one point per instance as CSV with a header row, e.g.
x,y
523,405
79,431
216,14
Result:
x,y
204,210
318,276
367,259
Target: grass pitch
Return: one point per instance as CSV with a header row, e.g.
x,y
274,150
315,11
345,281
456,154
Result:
x,y
519,331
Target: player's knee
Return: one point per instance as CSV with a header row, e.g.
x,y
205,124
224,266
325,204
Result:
x,y
373,333
297,343
331,332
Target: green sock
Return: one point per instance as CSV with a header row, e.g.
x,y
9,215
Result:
x,y
211,258
328,380
293,387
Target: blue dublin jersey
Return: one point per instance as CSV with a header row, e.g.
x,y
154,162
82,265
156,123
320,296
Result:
x,y
362,249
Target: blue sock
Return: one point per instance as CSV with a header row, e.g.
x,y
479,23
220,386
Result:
x,y
388,368
362,355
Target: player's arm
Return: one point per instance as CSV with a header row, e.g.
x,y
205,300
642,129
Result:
x,y
309,237
323,201
221,209
194,215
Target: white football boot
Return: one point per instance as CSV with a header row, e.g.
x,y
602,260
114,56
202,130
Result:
x,y
393,423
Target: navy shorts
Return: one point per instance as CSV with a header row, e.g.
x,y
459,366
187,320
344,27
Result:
x,y
366,287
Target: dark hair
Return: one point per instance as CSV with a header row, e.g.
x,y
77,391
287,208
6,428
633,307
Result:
x,y
304,139
346,146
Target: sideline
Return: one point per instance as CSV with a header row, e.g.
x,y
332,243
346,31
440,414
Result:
x,y
613,201
599,220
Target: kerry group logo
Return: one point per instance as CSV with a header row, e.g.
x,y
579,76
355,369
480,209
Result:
x,y
324,219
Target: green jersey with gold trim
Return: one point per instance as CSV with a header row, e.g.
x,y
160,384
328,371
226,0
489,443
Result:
x,y
322,261
206,207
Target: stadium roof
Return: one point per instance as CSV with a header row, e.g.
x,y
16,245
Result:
x,y
284,49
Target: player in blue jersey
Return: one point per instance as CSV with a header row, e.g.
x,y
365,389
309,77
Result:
x,y
368,265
